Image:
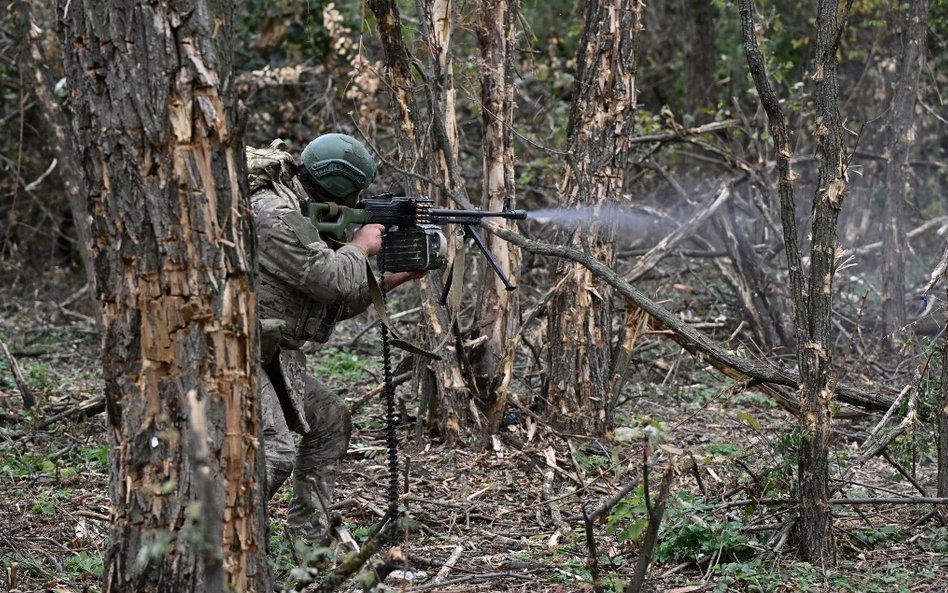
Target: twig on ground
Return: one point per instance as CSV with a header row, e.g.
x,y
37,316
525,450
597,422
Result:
x,y
90,407
28,398
546,489
592,558
354,562
396,381
448,565
655,515
486,576
612,501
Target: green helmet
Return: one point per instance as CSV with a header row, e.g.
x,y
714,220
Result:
x,y
339,164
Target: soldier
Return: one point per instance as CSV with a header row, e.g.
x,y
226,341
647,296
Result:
x,y
305,285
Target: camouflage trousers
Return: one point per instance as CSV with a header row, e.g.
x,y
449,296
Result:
x,y
314,463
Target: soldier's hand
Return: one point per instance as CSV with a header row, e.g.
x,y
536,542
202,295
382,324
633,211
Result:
x,y
369,238
393,279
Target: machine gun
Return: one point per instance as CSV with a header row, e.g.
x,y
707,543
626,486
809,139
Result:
x,y
413,240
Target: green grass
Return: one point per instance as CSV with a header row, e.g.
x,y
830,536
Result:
x,y
342,367
760,576
84,563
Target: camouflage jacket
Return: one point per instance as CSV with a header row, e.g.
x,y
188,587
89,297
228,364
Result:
x,y
304,286
302,281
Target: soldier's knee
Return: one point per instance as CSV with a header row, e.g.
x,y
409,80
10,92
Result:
x,y
278,471
329,415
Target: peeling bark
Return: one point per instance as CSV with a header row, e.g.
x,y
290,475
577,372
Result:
x,y
171,249
578,394
816,520
499,307
811,298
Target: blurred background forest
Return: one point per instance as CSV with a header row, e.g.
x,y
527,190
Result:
x,y
304,68
307,68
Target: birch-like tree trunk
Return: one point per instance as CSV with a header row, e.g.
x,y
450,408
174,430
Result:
x,y
153,113
462,395
444,393
578,391
450,393
499,310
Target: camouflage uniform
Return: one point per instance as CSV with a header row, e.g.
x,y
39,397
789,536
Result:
x,y
303,287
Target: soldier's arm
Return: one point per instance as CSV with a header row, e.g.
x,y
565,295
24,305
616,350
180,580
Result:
x,y
292,249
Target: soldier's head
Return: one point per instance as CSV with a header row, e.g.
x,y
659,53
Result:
x,y
336,168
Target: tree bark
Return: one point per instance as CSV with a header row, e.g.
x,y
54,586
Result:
x,y
153,111
942,420
811,301
456,417
499,308
900,138
40,48
698,65
578,394
814,356
463,394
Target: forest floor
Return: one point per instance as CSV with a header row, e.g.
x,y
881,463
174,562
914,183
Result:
x,y
511,513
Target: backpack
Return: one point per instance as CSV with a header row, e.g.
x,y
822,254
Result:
x,y
270,168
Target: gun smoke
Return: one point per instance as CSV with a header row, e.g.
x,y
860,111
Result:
x,y
624,219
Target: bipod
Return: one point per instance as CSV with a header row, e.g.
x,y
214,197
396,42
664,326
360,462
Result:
x,y
470,233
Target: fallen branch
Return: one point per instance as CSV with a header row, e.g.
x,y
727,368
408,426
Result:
x,y
920,229
448,565
398,380
90,407
690,339
28,399
790,502
353,563
690,226
682,133
612,501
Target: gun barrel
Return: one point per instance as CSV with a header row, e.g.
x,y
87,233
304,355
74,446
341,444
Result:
x,y
448,215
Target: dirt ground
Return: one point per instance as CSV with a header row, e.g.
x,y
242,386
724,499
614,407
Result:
x,y
510,515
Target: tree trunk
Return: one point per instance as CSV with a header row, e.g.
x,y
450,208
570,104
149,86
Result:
x,y
811,301
499,309
698,64
455,417
445,398
171,246
942,419
41,50
457,400
900,138
814,355
580,370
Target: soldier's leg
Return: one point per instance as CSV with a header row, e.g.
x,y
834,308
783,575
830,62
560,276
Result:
x,y
278,445
317,462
